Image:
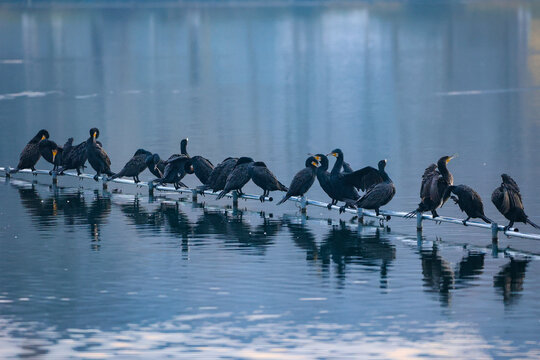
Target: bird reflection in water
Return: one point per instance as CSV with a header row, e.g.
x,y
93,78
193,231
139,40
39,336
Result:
x,y
71,206
509,281
469,268
438,274
343,246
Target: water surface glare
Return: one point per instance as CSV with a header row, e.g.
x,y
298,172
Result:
x,y
90,273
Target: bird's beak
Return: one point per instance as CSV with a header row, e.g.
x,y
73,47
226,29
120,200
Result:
x,y
318,158
451,157
385,161
94,134
54,152
43,137
315,163
333,154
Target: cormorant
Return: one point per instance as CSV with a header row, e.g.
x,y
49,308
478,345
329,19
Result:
x,y
265,179
30,154
51,152
238,177
507,199
335,186
378,194
155,165
73,157
135,166
218,177
303,180
97,157
340,162
202,167
469,201
175,170
435,182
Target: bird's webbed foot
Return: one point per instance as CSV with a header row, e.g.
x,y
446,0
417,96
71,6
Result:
x,y
342,209
329,206
96,177
465,222
261,198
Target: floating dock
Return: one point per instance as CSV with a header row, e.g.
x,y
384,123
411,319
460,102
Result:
x,y
302,201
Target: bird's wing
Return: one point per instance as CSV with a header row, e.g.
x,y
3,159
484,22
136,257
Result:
x,y
301,180
347,168
363,178
427,178
378,195
501,200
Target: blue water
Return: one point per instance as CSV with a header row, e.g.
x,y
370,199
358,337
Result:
x,y
93,273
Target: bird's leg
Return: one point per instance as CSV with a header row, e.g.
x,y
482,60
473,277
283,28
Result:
x,y
377,211
465,221
96,177
329,206
261,198
506,228
434,213
176,186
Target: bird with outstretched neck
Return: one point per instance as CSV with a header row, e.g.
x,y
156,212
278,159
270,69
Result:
x,y
507,199
30,154
97,156
265,179
303,180
135,166
380,193
435,181
469,202
238,177
340,162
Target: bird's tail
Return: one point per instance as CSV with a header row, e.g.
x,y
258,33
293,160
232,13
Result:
x,y
285,198
283,187
221,194
532,224
486,219
202,188
114,176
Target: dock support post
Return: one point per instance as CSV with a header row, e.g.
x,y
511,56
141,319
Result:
x,y
235,199
150,188
194,195
54,178
494,232
8,169
419,221
303,205
360,213
104,182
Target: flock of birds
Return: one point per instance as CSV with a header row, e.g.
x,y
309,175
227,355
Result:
x,y
341,184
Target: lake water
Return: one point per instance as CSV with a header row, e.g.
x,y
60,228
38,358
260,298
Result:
x,y
89,273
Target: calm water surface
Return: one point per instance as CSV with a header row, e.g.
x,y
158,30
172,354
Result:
x,y
89,273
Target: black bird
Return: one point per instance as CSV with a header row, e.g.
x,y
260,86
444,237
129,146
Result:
x,y
73,157
378,194
435,182
469,201
340,162
238,177
303,180
30,154
175,170
335,186
218,177
135,166
155,165
202,167
263,178
97,157
507,199
51,152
